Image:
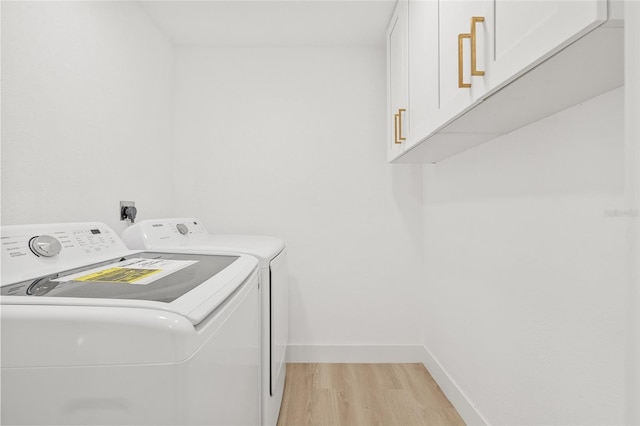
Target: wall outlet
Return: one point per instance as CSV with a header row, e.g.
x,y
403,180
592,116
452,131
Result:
x,y
123,206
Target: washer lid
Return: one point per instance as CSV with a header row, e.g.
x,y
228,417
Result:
x,y
192,285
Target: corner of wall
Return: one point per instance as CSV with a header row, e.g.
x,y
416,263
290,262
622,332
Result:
x,y
462,403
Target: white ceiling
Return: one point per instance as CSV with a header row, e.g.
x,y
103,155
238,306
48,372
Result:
x,y
273,23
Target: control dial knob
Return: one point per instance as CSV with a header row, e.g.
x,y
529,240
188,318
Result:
x,y
45,246
182,228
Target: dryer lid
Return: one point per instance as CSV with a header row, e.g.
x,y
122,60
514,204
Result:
x,y
264,248
190,233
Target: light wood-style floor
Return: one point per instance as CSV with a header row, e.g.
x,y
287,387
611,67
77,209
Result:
x,y
364,395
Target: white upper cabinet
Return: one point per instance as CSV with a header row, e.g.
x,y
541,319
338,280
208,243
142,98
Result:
x,y
477,69
398,80
526,32
465,43
424,98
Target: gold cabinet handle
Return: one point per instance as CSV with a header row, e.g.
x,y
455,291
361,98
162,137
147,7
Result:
x,y
395,128
474,21
461,82
400,138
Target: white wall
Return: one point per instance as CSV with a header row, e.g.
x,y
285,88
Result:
x,y
526,263
632,151
86,117
289,142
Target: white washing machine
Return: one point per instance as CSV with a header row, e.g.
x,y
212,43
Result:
x,y
190,233
94,333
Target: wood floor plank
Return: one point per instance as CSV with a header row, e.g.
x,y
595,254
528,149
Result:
x,y
364,395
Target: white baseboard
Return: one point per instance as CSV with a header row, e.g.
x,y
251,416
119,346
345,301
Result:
x,y
391,354
355,353
456,396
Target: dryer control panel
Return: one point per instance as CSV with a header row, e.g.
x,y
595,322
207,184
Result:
x,y
33,250
160,233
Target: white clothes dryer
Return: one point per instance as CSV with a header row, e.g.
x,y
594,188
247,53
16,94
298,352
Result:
x,y
94,333
190,233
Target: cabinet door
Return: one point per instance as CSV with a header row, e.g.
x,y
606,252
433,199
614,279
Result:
x,y
423,69
458,87
398,80
528,31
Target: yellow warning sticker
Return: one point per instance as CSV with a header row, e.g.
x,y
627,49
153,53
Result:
x,y
119,275
138,271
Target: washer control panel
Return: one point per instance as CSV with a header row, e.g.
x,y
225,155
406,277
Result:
x,y
45,245
32,250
